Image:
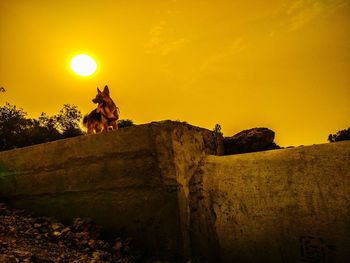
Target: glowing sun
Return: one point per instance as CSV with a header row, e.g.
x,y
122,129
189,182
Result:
x,y
83,65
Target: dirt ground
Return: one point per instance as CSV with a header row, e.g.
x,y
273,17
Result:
x,y
25,237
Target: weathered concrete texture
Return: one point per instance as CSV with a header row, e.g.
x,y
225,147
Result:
x,y
289,205
162,184
133,179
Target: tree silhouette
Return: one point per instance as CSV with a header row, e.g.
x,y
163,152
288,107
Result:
x,y
16,130
68,121
13,123
217,129
341,135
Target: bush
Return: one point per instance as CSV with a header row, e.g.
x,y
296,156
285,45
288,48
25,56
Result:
x,y
125,123
16,130
341,135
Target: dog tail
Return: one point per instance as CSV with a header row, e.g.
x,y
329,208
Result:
x,y
85,120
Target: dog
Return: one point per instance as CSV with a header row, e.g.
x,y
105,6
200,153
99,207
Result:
x,y
105,116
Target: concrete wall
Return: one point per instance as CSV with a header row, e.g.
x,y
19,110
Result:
x,y
126,180
289,205
162,184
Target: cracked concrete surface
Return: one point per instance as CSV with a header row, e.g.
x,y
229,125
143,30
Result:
x,y
166,185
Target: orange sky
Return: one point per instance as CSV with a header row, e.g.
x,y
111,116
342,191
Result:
x,y
280,64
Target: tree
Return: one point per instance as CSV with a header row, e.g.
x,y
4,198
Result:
x,y
47,121
217,129
45,128
13,123
341,135
68,121
16,130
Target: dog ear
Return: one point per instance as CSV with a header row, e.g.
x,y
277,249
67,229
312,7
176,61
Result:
x,y
98,90
106,90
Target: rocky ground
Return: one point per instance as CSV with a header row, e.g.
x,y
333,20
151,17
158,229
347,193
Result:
x,y
28,238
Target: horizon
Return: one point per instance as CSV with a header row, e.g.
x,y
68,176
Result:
x,y
279,64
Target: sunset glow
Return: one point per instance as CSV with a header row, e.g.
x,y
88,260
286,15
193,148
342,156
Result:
x,y
83,65
281,64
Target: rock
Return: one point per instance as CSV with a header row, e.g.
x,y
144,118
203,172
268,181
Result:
x,y
86,225
56,226
272,146
36,225
22,254
97,255
8,259
65,230
56,233
118,245
252,140
28,238
92,243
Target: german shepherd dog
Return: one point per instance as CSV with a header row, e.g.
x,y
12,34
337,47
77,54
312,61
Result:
x,y
104,116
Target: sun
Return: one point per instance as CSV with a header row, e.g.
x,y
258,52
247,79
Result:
x,y
83,65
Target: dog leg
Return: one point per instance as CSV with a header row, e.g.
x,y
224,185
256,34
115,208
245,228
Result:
x,y
105,127
115,125
90,128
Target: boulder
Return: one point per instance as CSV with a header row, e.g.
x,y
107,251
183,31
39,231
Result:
x,y
252,140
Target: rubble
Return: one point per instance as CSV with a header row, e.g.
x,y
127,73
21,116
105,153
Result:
x,y
28,238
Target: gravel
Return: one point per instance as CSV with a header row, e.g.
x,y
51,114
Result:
x,y
25,237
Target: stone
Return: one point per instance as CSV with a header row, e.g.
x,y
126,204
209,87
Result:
x,y
22,254
118,245
60,243
252,140
56,226
56,233
8,259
